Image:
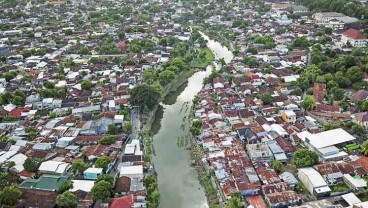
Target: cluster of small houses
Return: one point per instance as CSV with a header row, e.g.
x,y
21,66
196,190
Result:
x,y
61,142
241,136
82,116
269,132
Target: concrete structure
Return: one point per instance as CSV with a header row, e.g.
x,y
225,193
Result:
x,y
354,37
289,116
324,143
259,152
92,173
313,182
355,183
54,167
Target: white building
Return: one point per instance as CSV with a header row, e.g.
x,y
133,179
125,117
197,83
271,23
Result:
x,y
54,167
323,143
354,37
314,182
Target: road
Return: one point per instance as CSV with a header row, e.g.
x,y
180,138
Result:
x,y
136,125
134,117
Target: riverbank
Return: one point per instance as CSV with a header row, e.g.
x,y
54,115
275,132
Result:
x,y
173,86
207,60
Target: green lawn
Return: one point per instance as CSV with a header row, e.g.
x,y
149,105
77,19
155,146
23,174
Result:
x,y
205,62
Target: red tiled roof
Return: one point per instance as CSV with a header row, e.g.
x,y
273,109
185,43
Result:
x,y
354,34
256,201
16,113
327,108
122,202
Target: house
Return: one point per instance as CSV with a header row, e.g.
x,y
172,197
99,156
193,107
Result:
x,y
19,160
355,183
359,95
37,199
299,9
135,173
82,185
54,167
282,199
361,119
44,182
4,50
276,150
334,20
289,116
327,108
354,38
314,182
259,152
324,143
289,178
92,173
101,122
122,202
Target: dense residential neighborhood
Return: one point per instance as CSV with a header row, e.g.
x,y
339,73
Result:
x,y
128,104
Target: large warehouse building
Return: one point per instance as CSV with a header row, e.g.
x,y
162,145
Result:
x,y
314,182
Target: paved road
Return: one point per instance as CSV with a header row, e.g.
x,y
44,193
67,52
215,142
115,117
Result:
x,y
134,116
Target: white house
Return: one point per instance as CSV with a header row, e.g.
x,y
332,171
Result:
x,y
354,37
54,167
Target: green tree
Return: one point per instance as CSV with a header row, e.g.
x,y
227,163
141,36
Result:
x,y
337,93
357,129
9,195
52,115
112,129
85,51
300,42
106,177
250,61
305,158
127,126
49,84
103,162
266,98
86,85
354,74
65,186
67,200
308,102
329,126
78,166
145,96
107,140
30,165
236,201
276,165
101,191
364,148
165,77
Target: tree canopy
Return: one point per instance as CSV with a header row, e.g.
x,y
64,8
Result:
x,y
78,166
107,140
9,195
103,162
145,96
101,191
305,158
67,200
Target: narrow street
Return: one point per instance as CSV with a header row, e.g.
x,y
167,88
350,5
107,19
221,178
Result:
x,y
134,117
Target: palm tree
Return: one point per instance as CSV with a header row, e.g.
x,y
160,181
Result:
x,y
364,148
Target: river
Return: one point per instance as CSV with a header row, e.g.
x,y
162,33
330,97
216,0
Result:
x,y
177,181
